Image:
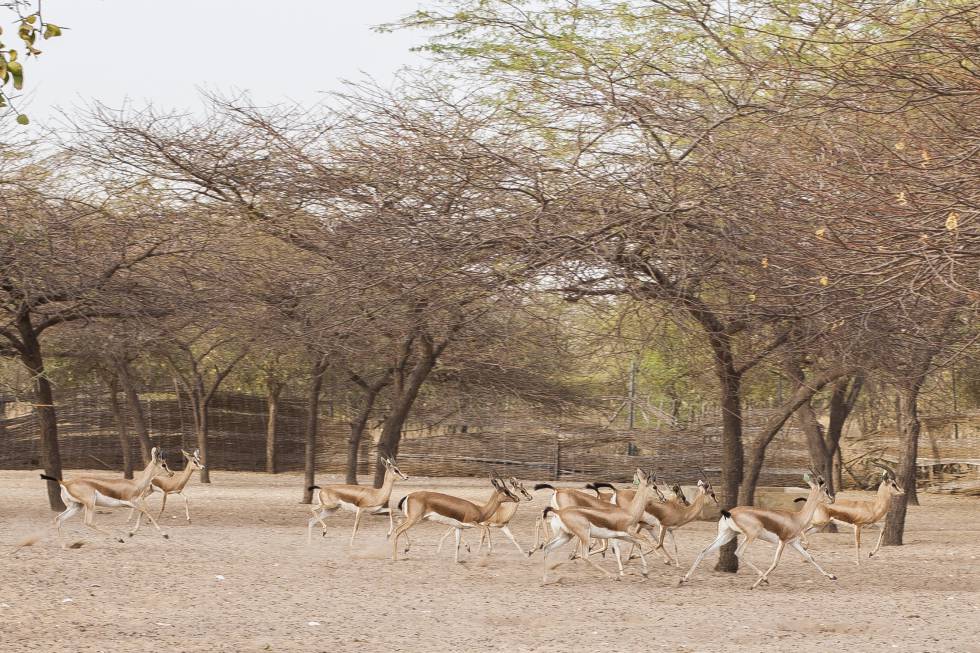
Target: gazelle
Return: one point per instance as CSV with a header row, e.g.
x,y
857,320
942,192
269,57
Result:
x,y
572,497
86,493
607,523
447,509
780,527
672,514
859,513
500,519
175,484
355,498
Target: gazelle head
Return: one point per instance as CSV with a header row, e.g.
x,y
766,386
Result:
x,y
889,478
648,479
705,486
501,487
816,482
679,494
158,459
393,468
519,487
193,459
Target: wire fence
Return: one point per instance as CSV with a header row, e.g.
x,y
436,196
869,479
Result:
x,y
457,445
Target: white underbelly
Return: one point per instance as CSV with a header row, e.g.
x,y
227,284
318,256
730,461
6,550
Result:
x,y
448,521
605,533
350,507
108,502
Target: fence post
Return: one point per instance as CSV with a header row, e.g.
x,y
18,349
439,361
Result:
x,y
557,469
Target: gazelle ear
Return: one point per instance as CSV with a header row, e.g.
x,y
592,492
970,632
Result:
x,y
807,478
154,453
186,455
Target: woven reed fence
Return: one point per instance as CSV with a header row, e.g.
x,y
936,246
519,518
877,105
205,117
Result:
x,y
448,446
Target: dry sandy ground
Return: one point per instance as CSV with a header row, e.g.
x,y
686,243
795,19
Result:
x,y
241,578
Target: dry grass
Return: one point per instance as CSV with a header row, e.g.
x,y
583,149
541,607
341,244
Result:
x,y
241,578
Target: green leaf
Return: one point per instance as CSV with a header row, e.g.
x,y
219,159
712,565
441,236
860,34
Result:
x,y
51,31
17,72
22,119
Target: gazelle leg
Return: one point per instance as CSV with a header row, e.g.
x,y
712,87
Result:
x,y
619,559
560,539
89,521
309,526
584,539
357,524
881,536
402,528
505,529
724,537
740,554
163,504
486,534
673,540
187,508
638,543
67,514
809,558
775,561
857,544
143,511
391,521
442,539
459,536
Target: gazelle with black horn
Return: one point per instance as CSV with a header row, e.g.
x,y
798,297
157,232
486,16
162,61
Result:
x,y
500,519
673,514
860,513
779,527
575,498
355,498
615,523
85,493
175,484
447,509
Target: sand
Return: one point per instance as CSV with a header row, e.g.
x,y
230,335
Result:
x,y
241,577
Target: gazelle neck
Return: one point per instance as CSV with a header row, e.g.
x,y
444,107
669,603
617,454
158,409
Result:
x,y
639,503
693,510
146,476
882,499
389,482
491,506
805,515
185,475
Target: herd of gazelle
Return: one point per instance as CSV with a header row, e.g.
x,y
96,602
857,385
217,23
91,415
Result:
x,y
584,515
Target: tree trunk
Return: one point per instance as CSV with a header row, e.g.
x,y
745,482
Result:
x,y
273,391
122,426
357,427
405,397
732,450
911,426
47,419
312,419
842,402
135,409
802,394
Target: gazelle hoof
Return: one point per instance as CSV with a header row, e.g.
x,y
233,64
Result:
x,y
832,577
166,536
120,540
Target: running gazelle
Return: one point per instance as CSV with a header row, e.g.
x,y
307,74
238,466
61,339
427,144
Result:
x,y
355,498
779,527
613,523
84,493
859,513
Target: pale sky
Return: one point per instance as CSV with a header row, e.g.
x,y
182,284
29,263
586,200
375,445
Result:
x,y
163,51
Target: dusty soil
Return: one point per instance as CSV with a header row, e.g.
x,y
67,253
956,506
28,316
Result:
x,y
242,578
